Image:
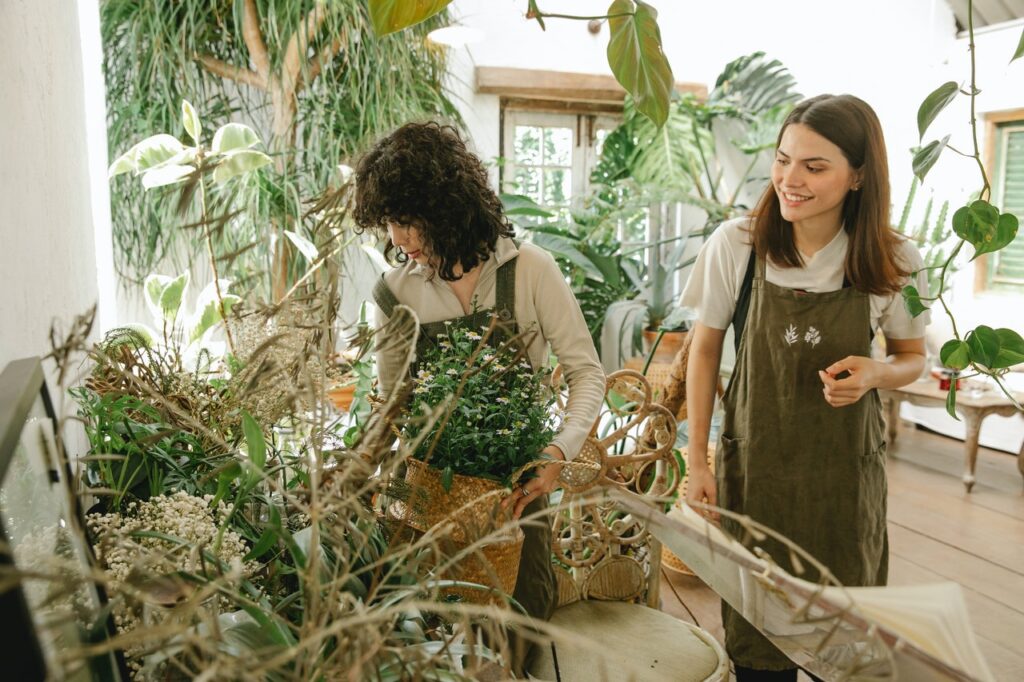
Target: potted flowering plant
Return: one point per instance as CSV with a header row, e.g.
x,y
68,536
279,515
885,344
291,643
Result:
x,y
499,411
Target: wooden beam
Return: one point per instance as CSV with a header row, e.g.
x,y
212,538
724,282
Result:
x,y
536,84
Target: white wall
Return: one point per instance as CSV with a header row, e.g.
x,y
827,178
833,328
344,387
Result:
x,y
48,259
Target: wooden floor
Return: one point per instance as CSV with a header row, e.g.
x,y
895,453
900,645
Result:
x,y
937,532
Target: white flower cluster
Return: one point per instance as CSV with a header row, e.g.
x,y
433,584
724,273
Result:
x,y
180,515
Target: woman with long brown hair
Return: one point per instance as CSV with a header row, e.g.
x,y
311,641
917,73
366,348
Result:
x,y
806,281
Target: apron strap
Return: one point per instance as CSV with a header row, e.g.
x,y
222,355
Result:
x,y
384,297
505,292
739,316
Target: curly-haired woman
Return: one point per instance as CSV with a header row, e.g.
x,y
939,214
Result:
x,y
447,230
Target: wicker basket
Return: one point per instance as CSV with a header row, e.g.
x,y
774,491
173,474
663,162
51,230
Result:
x,y
668,559
494,565
473,504
473,508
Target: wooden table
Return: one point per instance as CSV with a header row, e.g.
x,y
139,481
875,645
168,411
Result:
x,y
973,410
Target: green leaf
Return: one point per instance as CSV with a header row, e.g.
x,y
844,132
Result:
x,y
232,137
305,247
255,444
933,104
237,163
190,120
229,474
155,150
955,354
210,315
981,224
447,477
389,16
983,343
162,176
926,156
1020,49
172,295
264,543
518,204
1011,349
154,286
951,400
912,299
637,60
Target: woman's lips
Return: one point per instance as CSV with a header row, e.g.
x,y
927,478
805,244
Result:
x,y
412,255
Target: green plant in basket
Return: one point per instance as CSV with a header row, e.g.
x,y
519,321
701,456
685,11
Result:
x,y
499,414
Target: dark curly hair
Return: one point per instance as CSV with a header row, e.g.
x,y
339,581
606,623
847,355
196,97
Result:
x,y
422,175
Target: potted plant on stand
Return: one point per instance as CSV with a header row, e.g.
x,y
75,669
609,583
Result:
x,y
477,420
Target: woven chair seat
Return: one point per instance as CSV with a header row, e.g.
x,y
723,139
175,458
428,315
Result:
x,y
629,642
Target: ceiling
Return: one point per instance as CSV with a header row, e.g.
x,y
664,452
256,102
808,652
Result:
x,y
987,12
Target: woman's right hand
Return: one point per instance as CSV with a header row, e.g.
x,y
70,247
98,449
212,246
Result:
x,y
701,488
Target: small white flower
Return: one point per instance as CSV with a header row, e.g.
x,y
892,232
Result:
x,y
813,336
504,432
473,336
420,390
445,345
452,372
501,401
487,357
424,375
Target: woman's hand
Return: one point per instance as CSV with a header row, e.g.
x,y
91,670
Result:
x,y
546,481
700,487
865,374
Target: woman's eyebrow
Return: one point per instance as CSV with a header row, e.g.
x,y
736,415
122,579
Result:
x,y
813,158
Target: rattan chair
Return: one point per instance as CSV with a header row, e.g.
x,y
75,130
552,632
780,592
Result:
x,y
608,564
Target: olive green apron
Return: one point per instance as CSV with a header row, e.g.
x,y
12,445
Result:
x,y
536,587
791,461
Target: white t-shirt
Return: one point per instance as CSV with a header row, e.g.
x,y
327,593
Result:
x,y
717,277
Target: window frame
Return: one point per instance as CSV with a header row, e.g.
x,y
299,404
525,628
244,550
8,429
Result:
x,y
996,126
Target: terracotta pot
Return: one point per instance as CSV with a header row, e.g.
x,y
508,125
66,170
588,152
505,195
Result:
x,y
342,396
670,344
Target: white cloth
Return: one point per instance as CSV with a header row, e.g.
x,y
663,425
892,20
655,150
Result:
x,y
717,277
544,302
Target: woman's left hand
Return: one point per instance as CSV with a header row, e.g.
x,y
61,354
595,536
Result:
x,y
865,374
546,481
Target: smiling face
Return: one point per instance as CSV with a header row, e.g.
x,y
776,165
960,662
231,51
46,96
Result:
x,y
811,177
409,241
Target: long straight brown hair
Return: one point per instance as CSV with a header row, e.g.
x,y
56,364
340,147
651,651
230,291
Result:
x,y
872,264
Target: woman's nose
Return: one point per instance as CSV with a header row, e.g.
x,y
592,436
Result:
x,y
792,177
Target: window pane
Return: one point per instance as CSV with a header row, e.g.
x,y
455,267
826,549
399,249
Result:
x,y
557,146
599,138
527,146
557,186
528,182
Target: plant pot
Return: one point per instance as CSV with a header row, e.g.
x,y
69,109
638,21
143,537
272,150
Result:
x,y
670,344
472,509
342,396
472,504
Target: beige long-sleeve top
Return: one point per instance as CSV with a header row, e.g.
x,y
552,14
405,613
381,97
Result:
x,y
544,302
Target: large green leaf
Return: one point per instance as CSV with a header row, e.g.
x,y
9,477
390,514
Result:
x,y
153,151
981,224
912,299
926,156
389,16
232,136
934,103
955,354
518,204
753,83
637,60
305,247
983,344
1011,349
166,174
172,295
667,156
238,163
1020,48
